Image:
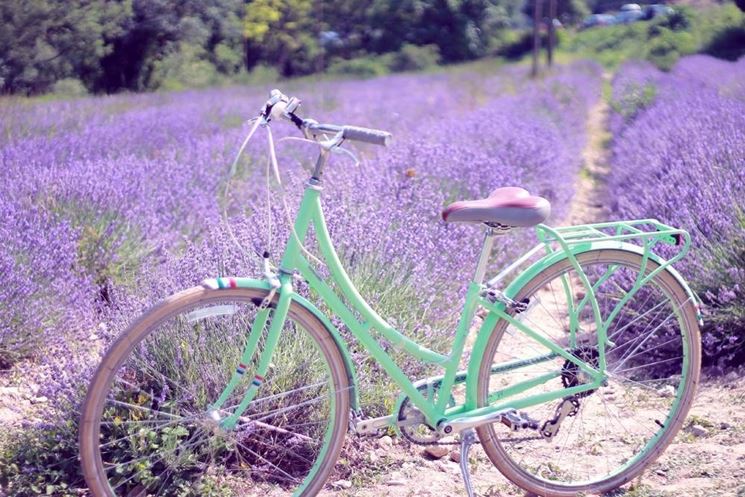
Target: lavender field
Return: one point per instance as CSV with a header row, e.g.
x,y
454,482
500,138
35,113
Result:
x,y
678,154
108,204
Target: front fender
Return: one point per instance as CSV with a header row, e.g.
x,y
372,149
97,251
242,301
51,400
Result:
x,y
218,283
485,331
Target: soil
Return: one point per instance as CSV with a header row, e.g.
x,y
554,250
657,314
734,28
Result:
x,y
705,461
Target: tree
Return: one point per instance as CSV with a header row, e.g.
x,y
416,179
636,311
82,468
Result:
x,y
189,31
740,4
457,27
568,11
44,41
284,33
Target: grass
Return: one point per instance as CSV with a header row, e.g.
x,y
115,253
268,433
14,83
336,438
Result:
x,y
715,30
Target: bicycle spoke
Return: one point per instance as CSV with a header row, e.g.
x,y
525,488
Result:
x,y
158,432
617,423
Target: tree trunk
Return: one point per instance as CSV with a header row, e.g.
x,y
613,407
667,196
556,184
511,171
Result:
x,y
551,32
536,35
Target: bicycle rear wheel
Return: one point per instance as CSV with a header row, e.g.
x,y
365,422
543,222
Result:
x,y
618,429
148,427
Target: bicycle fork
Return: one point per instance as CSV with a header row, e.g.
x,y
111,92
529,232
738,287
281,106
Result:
x,y
277,321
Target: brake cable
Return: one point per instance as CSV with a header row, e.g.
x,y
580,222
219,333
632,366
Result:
x,y
263,120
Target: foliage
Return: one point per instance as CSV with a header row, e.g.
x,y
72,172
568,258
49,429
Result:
x,y
568,11
408,58
42,42
282,31
701,101
148,44
715,30
111,45
42,461
414,58
520,45
139,45
69,87
186,67
728,44
362,67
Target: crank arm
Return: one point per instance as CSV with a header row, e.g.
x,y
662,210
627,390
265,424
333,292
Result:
x,y
370,426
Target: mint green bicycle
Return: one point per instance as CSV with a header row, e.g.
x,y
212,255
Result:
x,y
581,369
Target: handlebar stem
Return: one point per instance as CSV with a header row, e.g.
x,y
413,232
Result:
x,y
323,157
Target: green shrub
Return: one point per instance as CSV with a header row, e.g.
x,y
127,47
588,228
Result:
x,y
727,44
521,45
259,75
187,67
227,59
668,46
718,30
414,58
362,67
69,87
42,462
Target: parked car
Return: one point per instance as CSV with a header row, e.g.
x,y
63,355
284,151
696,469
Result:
x,y
657,10
630,12
598,20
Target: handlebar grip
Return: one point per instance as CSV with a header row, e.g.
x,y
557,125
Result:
x,y
367,135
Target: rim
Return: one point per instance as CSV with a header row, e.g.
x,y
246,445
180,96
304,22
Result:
x,y
615,426
157,429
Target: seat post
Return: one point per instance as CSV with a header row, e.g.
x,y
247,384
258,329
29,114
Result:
x,y
491,232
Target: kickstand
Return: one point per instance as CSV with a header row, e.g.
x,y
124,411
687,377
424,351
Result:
x,y
467,438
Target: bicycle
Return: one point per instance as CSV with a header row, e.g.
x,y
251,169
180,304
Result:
x,y
581,372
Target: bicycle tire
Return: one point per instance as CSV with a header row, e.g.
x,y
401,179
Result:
x,y
173,309
521,473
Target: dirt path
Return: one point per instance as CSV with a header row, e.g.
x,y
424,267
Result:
x,y
707,459
588,204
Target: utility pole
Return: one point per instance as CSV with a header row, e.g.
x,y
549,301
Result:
x,y
536,35
551,32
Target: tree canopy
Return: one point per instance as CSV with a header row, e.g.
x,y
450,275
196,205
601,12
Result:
x,y
112,45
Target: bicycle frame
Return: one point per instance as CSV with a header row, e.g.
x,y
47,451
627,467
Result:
x,y
435,412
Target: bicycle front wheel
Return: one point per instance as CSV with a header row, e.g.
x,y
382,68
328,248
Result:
x,y
608,435
149,426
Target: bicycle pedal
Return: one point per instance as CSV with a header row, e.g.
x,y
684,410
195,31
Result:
x,y
519,421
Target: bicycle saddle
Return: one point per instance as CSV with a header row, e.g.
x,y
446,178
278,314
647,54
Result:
x,y
508,206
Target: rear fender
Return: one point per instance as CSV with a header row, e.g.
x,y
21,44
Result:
x,y
487,327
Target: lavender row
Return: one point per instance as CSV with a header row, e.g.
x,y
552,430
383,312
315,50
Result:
x,y
124,206
110,204
680,157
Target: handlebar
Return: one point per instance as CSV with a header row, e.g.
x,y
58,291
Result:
x,y
279,105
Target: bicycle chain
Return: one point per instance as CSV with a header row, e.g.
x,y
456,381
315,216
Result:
x,y
569,378
413,440
570,371
501,440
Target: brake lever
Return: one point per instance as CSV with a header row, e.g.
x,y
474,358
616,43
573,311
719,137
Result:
x,y
275,97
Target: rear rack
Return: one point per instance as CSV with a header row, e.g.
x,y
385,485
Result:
x,y
645,233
